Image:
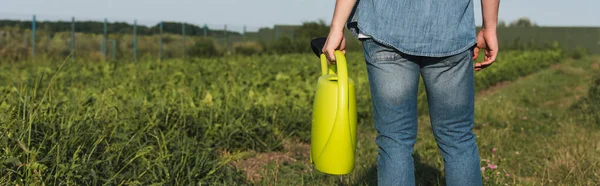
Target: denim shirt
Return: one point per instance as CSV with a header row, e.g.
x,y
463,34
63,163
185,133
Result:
x,y
432,28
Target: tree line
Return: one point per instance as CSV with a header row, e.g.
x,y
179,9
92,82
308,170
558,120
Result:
x,y
96,27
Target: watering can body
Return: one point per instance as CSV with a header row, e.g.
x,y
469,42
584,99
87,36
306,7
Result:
x,y
333,133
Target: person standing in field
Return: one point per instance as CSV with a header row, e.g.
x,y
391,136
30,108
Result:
x,y
433,39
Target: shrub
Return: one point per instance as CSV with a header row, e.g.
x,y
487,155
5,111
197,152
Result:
x,y
579,53
589,107
248,48
282,45
203,48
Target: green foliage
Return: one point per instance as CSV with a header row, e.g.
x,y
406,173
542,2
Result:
x,y
501,23
594,92
310,30
579,53
511,65
203,48
287,45
149,122
522,22
300,43
594,100
94,123
568,38
171,121
248,48
530,124
590,105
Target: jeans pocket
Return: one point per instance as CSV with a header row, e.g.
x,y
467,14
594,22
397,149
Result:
x,y
375,51
454,60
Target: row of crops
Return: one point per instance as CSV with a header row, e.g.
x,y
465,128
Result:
x,y
170,122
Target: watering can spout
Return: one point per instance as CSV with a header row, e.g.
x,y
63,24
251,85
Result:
x,y
333,134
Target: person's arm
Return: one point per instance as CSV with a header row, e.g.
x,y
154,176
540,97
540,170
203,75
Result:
x,y
336,39
487,38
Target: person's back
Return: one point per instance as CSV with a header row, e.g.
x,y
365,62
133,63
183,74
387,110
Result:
x,y
404,40
434,28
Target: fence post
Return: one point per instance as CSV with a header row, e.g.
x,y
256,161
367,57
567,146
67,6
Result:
x,y
205,29
105,43
276,32
183,38
114,50
226,37
292,34
160,44
73,39
244,34
134,40
33,27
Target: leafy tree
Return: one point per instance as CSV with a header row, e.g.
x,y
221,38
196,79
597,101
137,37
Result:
x,y
522,22
501,23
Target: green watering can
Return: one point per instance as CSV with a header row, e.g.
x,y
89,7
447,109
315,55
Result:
x,y
333,133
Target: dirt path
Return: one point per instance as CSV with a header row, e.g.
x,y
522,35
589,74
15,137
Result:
x,y
254,167
492,89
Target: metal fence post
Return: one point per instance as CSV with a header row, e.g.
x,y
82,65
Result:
x,y
205,29
244,34
134,40
105,42
73,38
114,50
226,37
276,32
183,38
160,44
33,27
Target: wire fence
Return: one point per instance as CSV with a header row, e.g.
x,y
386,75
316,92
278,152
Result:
x,y
134,39
34,36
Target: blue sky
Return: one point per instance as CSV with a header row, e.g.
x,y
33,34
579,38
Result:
x,y
263,13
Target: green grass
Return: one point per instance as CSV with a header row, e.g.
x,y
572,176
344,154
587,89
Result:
x,y
570,38
539,138
186,122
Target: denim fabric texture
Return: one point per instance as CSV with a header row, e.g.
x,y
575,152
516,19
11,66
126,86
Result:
x,y
432,28
449,81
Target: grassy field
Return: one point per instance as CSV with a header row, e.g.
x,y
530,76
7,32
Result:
x,y
532,129
246,120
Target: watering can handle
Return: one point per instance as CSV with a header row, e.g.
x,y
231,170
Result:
x,y
317,45
326,68
341,69
343,86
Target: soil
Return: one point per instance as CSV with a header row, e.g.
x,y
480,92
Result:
x,y
253,167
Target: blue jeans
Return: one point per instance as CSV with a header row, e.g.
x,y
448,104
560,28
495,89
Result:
x,y
449,82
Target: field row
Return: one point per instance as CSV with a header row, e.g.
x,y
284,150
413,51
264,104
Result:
x,y
147,122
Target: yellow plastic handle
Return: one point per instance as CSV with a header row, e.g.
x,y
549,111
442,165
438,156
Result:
x,y
325,66
342,78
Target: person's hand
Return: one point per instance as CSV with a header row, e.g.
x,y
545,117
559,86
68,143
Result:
x,y
335,41
487,40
